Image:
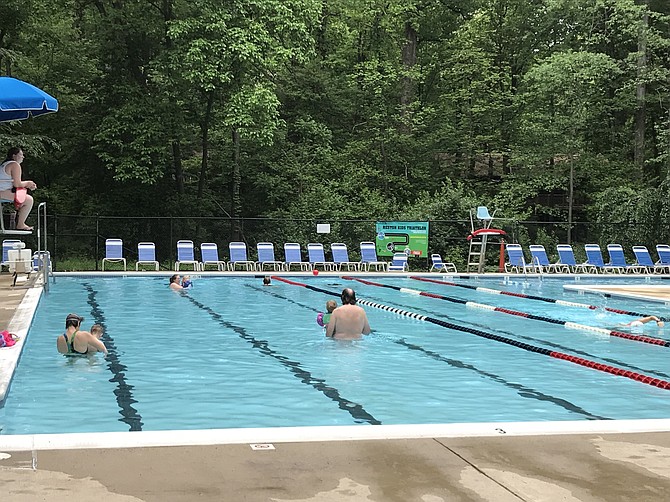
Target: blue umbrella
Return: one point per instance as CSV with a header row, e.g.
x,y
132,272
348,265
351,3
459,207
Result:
x,y
19,100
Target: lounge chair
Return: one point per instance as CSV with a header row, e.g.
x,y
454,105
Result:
x,y
663,262
541,261
293,257
186,256
618,260
369,258
317,257
20,261
398,263
595,257
266,257
238,257
566,258
209,252
7,244
341,256
439,266
644,261
146,255
114,253
516,261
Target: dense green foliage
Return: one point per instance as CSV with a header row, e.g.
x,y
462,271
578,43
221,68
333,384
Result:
x,y
344,109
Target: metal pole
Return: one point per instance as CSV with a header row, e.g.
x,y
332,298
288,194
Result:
x,y
97,241
570,195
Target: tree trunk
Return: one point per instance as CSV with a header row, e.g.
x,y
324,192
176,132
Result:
x,y
205,144
408,63
641,112
178,169
236,209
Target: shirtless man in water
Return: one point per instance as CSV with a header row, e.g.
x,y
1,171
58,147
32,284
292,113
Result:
x,y
349,321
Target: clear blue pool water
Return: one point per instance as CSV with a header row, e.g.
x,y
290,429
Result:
x,y
232,353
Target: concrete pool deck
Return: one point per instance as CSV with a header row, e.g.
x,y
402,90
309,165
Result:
x,y
607,464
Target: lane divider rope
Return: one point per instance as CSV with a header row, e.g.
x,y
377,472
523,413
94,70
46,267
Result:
x,y
638,377
533,297
569,325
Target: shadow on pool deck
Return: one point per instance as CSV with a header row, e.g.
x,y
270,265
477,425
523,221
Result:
x,y
589,467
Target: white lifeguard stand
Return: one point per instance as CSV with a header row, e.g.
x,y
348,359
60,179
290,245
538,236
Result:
x,y
481,230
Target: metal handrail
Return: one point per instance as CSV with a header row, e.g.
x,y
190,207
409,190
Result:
x,y
42,253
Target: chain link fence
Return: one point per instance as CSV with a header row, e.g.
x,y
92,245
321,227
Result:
x,y
72,237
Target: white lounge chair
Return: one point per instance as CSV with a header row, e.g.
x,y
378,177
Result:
x,y
238,257
209,252
266,257
341,257
146,255
317,257
114,253
186,256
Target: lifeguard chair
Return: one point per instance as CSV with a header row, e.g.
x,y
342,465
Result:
x,y
481,230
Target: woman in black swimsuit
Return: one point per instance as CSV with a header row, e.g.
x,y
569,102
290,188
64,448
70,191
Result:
x,y
74,342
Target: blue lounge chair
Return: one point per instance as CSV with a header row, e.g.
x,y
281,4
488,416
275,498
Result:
x,y
663,262
398,263
516,261
438,265
369,258
293,257
317,257
594,257
238,257
186,255
209,252
566,257
266,257
618,260
114,253
341,256
146,255
644,261
540,260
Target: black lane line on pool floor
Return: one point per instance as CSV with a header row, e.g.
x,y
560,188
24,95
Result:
x,y
123,391
522,391
354,409
548,343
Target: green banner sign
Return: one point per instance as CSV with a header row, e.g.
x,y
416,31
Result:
x,y
410,237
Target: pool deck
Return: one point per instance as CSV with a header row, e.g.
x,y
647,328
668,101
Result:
x,y
503,464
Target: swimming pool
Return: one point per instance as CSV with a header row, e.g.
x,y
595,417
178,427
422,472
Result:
x,y
231,353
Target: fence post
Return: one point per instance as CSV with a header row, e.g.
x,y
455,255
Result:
x,y
97,241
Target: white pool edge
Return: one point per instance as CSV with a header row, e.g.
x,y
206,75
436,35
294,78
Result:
x,y
19,325
208,437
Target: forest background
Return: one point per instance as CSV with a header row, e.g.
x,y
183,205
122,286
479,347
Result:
x,y
254,119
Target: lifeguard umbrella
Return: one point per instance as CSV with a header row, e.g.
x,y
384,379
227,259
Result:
x,y
19,100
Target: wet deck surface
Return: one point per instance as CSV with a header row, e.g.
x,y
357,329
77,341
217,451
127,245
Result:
x,y
585,467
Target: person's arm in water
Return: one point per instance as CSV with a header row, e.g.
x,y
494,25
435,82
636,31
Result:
x,y
366,326
330,327
650,318
93,341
